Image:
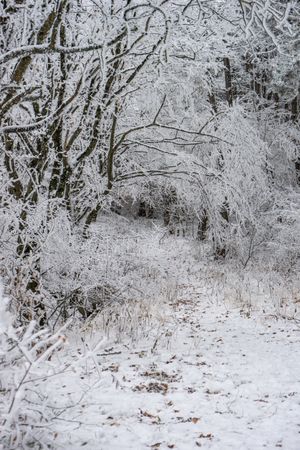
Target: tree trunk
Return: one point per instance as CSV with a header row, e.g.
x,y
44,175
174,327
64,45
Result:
x,y
228,81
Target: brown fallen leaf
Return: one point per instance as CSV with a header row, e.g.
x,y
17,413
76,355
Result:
x,y
156,419
189,419
112,368
161,376
212,391
153,387
195,419
206,436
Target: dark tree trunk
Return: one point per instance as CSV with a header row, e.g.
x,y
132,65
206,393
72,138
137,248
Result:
x,y
228,81
202,227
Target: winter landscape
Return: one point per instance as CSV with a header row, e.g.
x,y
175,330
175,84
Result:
x,y
149,224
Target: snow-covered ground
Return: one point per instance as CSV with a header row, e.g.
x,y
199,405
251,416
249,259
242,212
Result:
x,y
211,360
205,376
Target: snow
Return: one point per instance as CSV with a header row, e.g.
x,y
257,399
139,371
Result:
x,y
211,359
206,375
5,317
142,110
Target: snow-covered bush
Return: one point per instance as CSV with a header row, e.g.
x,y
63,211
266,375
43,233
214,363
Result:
x,y
25,356
35,368
107,106
122,260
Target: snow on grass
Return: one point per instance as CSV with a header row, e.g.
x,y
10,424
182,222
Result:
x,y
208,376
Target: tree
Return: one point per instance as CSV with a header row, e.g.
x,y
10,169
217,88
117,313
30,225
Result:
x,y
120,99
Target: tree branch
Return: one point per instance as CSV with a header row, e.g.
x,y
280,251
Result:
x,y
47,49
33,126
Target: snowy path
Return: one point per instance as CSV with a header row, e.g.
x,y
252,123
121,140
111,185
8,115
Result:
x,y
213,379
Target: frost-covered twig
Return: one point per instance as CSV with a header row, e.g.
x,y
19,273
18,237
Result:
x,y
26,363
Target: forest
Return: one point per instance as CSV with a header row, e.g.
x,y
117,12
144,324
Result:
x,y
149,203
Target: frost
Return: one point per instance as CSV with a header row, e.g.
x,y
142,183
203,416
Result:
x,y
5,316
